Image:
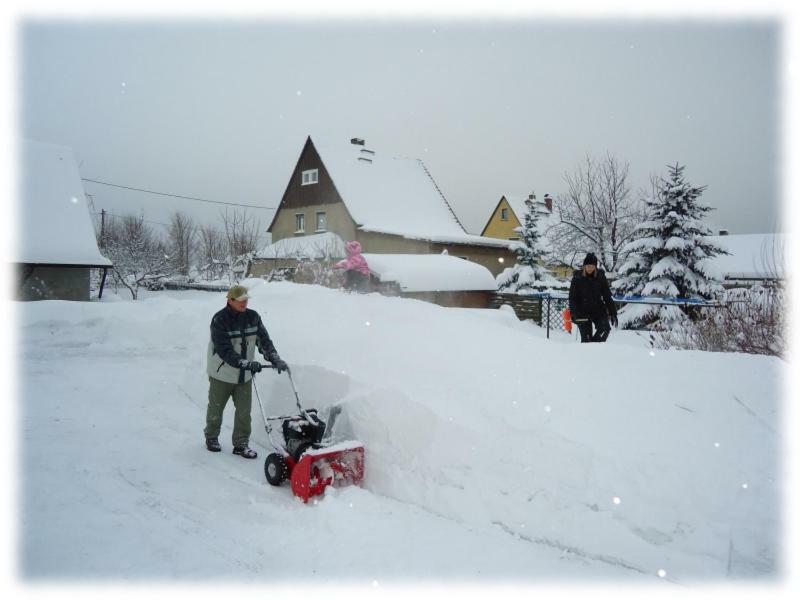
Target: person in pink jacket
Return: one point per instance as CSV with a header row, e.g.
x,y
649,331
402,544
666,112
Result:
x,y
355,266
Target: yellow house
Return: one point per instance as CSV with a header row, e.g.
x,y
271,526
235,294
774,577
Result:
x,y
503,222
391,205
509,214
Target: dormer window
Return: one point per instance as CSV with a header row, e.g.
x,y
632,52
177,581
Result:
x,y
311,176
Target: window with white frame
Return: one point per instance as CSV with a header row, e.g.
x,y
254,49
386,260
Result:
x,y
311,176
504,214
322,222
300,222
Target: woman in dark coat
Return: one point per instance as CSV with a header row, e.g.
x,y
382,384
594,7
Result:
x,y
590,301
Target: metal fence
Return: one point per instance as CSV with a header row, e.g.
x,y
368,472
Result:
x,y
525,306
553,307
546,309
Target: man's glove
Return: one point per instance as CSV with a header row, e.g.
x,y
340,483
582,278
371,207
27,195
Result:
x,y
280,365
251,366
614,320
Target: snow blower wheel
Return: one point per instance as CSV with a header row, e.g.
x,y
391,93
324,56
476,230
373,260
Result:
x,y
276,469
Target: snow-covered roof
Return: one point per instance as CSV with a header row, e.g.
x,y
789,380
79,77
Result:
x,y
546,220
56,226
393,195
320,245
430,272
517,204
751,255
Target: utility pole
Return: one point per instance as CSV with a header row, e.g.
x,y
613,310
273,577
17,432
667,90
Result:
x,y
103,228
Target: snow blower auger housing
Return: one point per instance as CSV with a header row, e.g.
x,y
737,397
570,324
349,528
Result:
x,y
305,458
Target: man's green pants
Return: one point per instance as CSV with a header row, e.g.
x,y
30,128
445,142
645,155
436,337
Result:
x,y
218,394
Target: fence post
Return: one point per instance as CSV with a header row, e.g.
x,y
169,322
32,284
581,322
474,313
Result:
x,y
548,317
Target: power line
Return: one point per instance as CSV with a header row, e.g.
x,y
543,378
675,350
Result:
x,y
108,214
125,187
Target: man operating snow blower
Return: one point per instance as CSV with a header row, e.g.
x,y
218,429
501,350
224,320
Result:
x,y
236,331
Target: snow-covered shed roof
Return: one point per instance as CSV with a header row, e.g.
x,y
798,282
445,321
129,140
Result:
x,y
430,272
319,245
393,195
56,226
752,255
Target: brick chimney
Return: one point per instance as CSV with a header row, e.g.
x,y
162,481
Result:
x,y
548,202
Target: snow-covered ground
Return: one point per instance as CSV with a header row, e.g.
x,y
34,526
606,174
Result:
x,y
493,454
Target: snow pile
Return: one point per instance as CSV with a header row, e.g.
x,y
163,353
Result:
x,y
491,452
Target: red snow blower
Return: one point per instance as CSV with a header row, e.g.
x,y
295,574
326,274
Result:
x,y
306,458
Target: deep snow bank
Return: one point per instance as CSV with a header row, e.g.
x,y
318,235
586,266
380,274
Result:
x,y
613,454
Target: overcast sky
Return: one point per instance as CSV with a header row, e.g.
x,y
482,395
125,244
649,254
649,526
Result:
x,y
219,109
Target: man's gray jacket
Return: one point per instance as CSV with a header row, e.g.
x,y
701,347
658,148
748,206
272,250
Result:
x,y
235,336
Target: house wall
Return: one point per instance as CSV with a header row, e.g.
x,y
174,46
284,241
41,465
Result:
x,y
339,221
310,199
562,271
299,195
261,267
466,299
497,228
483,255
380,243
52,283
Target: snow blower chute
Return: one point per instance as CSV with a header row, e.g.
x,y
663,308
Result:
x,y
306,458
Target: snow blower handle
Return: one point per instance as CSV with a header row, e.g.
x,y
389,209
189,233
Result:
x,y
310,417
261,406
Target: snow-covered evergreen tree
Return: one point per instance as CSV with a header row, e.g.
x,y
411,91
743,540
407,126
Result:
x,y
668,257
528,270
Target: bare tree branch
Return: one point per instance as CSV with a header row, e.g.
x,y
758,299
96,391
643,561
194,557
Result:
x,y
597,213
182,239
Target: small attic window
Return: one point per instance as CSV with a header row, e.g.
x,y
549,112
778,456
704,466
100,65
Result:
x,y
504,214
310,177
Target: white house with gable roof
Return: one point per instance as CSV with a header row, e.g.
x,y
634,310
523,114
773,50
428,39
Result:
x,y
751,258
57,247
389,204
